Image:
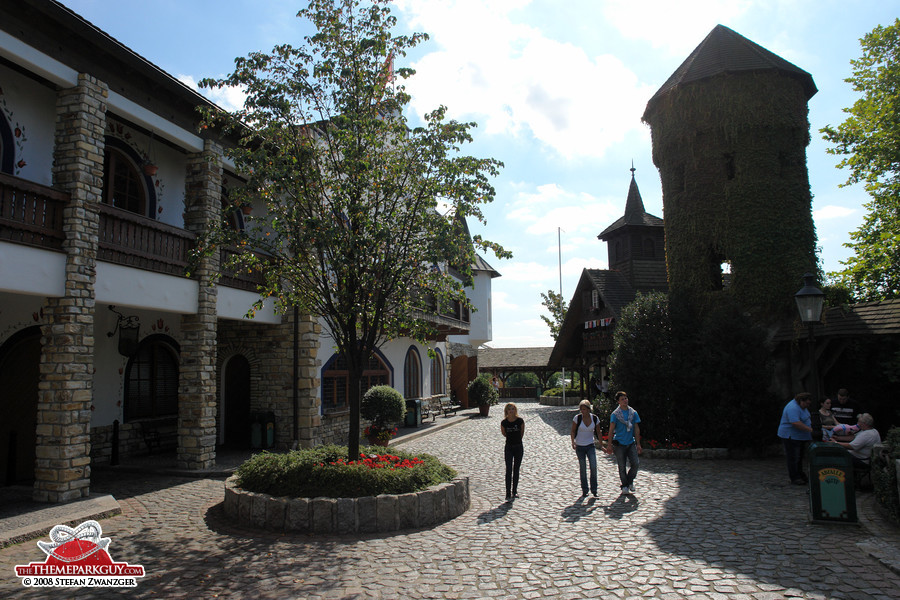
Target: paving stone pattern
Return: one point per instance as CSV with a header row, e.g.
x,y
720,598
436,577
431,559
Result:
x,y
699,529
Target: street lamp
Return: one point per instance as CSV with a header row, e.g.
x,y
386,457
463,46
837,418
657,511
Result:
x,y
809,302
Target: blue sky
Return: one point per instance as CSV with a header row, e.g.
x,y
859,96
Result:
x,y
557,89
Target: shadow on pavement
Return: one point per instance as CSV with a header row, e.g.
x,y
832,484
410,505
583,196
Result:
x,y
495,513
621,506
580,508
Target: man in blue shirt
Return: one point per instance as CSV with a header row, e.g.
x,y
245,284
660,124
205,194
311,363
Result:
x,y
625,441
795,430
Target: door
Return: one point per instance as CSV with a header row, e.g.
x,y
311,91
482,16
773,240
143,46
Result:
x,y
236,403
20,359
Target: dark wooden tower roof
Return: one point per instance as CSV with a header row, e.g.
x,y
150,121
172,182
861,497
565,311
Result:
x,y
634,212
726,51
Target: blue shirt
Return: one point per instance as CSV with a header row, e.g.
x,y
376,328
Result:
x,y
623,435
791,414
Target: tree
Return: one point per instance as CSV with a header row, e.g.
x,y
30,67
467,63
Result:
x,y
365,215
870,141
557,306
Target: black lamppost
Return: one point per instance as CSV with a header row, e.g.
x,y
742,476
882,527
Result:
x,y
809,302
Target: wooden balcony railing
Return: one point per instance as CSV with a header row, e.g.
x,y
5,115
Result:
x,y
31,214
135,241
241,281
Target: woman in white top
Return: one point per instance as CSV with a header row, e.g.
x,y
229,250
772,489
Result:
x,y
584,429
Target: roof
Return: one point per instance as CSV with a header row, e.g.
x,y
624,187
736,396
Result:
x,y
482,265
511,359
634,212
866,318
726,51
615,293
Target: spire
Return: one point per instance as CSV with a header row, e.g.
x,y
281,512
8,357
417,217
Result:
x,y
634,204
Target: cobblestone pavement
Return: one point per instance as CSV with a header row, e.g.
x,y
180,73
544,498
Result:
x,y
699,529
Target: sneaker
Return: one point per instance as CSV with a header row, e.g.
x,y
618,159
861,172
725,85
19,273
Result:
x,y
594,494
624,489
631,488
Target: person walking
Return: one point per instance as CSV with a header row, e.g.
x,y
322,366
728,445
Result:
x,y
625,441
585,427
513,429
795,431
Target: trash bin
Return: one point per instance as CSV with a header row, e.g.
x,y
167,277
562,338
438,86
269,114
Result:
x,y
832,498
413,412
269,421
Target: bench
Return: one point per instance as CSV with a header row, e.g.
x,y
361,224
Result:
x,y
159,433
447,407
429,409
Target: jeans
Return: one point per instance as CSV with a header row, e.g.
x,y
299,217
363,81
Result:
x,y
513,456
590,453
630,454
793,451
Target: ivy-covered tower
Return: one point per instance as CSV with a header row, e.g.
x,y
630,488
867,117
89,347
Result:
x,y
730,131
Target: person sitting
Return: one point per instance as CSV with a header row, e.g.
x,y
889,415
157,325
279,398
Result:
x,y
845,410
861,446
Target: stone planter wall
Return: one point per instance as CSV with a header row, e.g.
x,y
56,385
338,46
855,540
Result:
x,y
368,514
558,400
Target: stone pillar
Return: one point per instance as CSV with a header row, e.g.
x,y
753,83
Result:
x,y
62,467
309,420
197,376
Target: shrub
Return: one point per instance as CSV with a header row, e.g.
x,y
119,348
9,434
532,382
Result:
x,y
557,391
481,392
326,471
884,475
382,405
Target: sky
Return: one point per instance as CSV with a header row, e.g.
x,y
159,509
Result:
x,y
557,90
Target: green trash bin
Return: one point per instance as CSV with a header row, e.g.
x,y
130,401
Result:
x,y
413,412
832,498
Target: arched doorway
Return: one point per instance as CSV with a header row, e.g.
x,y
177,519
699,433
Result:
x,y
20,359
236,403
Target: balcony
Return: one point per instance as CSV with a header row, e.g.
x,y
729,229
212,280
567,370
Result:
x,y
32,215
450,318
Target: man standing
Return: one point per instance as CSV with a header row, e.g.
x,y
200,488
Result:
x,y
625,441
795,430
845,410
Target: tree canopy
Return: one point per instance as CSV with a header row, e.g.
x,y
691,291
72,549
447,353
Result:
x,y
364,218
557,307
869,139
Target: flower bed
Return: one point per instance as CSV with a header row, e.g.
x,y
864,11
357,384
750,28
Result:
x,y
386,512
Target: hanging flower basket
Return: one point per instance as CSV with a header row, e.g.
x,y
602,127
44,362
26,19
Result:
x,y
246,209
150,169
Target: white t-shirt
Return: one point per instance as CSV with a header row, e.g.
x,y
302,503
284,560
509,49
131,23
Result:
x,y
584,435
861,446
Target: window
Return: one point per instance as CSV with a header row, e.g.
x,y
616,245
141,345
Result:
x,y
123,185
595,299
151,380
437,374
336,381
412,375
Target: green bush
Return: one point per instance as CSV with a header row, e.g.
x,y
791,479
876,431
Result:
x,y
557,391
481,392
309,473
383,406
884,475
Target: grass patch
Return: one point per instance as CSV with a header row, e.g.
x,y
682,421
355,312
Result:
x,y
326,471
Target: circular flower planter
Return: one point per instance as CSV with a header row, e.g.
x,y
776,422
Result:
x,y
437,504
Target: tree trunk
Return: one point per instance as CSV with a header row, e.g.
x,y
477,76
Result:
x,y
354,395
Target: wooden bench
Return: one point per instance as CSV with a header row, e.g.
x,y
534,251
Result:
x,y
429,409
159,433
447,407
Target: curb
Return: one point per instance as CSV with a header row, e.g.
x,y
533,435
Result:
x,y
71,514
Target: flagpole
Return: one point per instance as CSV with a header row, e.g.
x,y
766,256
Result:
x,y
559,251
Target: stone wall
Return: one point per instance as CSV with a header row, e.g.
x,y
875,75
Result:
x,y
384,513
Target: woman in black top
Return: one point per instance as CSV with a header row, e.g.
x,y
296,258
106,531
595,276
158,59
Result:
x,y
513,428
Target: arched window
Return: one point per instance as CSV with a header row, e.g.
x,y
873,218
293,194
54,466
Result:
x,y
412,375
124,185
336,381
151,379
437,374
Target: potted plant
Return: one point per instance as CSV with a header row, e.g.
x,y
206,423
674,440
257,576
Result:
x,y
383,406
482,394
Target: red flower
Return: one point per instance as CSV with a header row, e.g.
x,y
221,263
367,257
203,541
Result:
x,y
21,163
18,132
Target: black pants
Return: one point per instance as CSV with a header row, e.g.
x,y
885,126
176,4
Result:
x,y
513,462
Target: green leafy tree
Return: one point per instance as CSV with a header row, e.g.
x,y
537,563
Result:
x,y
869,139
363,213
557,307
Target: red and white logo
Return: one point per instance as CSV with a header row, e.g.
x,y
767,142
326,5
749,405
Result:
x,y
78,558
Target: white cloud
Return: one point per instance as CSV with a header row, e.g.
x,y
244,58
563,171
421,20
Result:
x,y
549,207
229,98
832,212
522,271
516,81
500,301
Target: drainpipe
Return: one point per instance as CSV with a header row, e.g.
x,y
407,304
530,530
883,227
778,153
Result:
x,y
296,397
